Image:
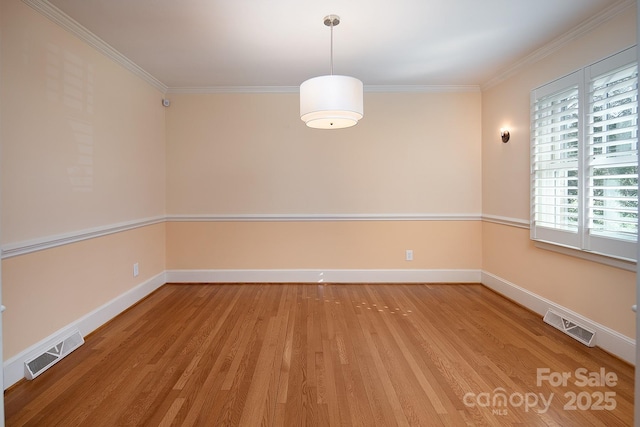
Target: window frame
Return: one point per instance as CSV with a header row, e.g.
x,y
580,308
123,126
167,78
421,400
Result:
x,y
582,239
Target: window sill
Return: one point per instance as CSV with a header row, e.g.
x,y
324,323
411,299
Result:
x,y
624,264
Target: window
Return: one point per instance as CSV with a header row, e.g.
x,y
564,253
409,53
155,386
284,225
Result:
x,y
584,159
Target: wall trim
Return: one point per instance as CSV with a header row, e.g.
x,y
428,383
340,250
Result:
x,y
606,338
34,245
48,242
321,217
503,220
323,276
559,42
21,248
206,90
65,21
624,264
13,368
296,89
421,88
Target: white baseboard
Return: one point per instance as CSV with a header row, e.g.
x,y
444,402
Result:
x,y
13,368
606,338
326,276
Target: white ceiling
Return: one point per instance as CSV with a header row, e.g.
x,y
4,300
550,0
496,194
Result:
x,y
228,43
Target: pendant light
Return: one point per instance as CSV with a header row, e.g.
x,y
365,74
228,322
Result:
x,y
331,102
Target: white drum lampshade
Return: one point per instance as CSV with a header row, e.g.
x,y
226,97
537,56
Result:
x,y
331,102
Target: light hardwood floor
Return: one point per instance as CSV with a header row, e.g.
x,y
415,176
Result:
x,y
320,354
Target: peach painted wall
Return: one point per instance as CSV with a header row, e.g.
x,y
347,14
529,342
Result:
x,y
413,153
599,292
83,138
324,244
47,290
82,148
596,291
251,153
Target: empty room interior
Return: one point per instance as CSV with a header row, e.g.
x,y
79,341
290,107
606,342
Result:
x,y
179,248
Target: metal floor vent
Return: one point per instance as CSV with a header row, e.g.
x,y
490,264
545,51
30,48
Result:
x,y
571,328
47,358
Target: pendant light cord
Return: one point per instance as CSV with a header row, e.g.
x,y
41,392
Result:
x,y
332,47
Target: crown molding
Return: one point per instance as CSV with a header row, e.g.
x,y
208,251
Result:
x,y
71,25
68,23
553,46
65,21
320,217
421,88
296,89
233,89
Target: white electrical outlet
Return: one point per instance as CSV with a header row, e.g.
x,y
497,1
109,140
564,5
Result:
x,y
135,270
408,255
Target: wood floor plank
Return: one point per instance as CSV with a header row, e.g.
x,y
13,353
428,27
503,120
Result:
x,y
324,355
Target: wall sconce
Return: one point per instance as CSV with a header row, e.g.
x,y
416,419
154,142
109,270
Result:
x,y
504,134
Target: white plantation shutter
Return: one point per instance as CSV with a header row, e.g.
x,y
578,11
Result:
x,y
612,156
555,161
584,158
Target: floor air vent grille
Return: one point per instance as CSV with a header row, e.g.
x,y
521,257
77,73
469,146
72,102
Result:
x,y
570,327
53,354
